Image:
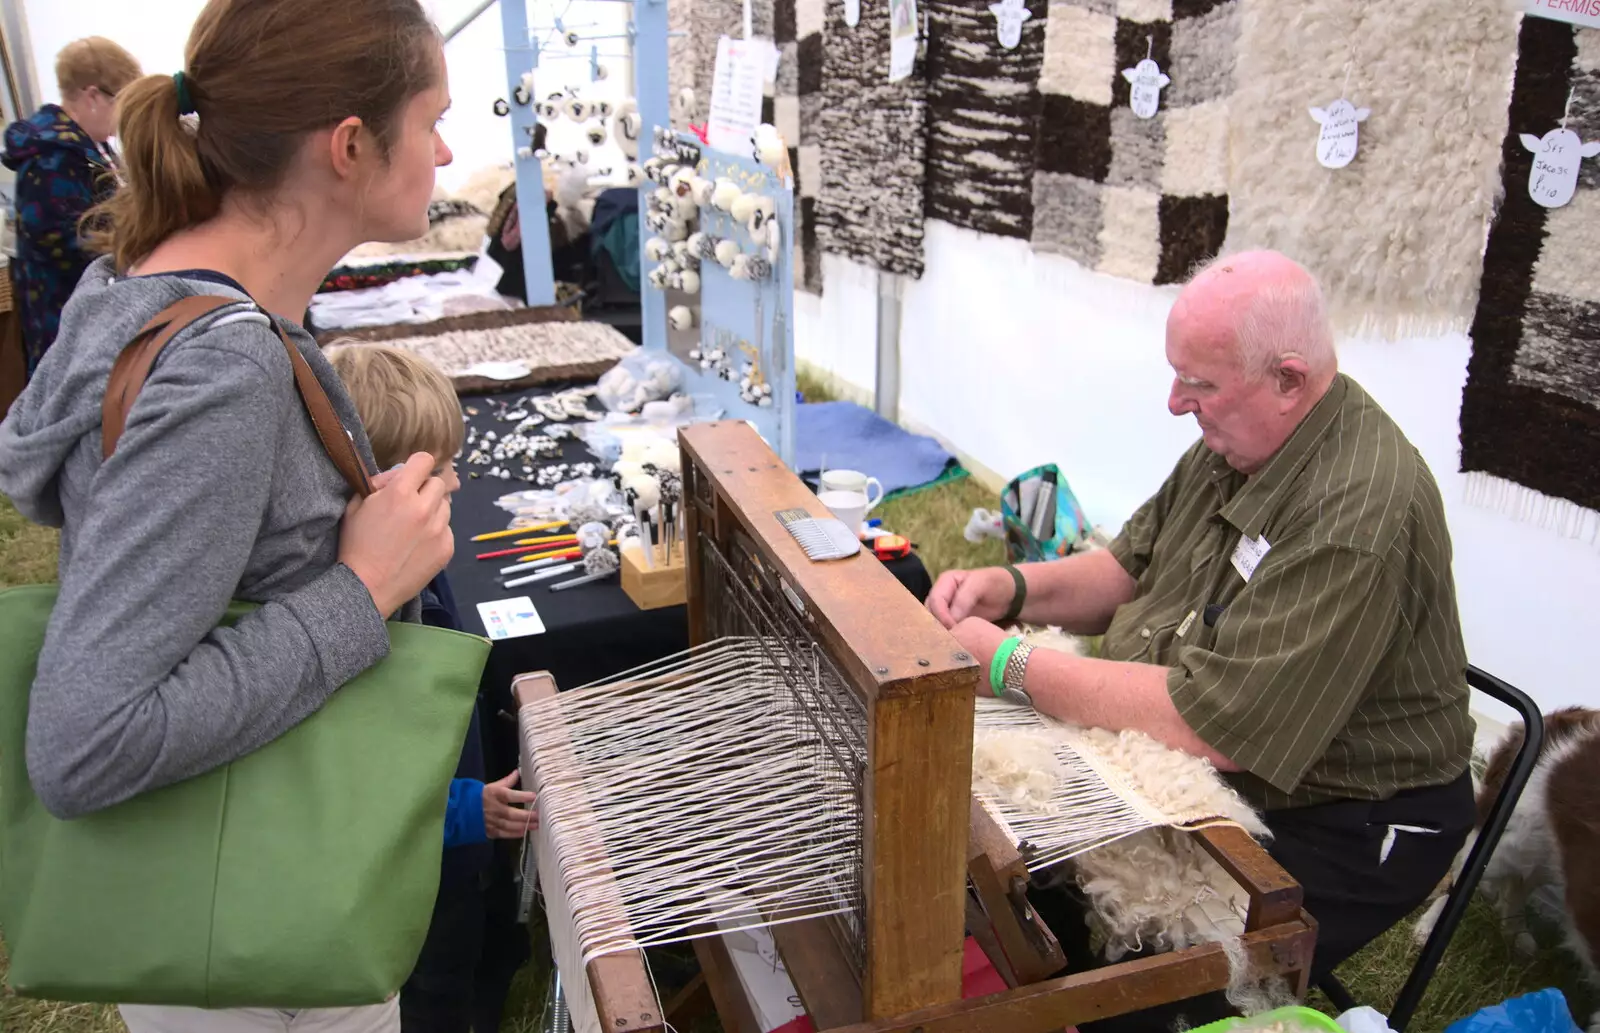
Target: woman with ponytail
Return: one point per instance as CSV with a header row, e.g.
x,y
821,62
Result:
x,y
296,130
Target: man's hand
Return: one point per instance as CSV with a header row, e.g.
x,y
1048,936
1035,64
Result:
x,y
508,812
959,594
982,640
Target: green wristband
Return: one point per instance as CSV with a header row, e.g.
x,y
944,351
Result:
x,y
997,666
1018,597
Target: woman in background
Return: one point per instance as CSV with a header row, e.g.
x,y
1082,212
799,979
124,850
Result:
x,y
63,166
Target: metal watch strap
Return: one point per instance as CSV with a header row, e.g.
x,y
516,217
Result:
x,y
1011,679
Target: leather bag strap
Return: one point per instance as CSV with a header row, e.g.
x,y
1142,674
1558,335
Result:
x,y
133,366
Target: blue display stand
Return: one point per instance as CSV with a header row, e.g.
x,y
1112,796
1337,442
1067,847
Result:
x,y
749,321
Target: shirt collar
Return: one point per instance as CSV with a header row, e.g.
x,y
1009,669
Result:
x,y
1263,491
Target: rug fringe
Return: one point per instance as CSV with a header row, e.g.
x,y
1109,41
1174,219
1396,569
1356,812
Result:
x,y
1525,505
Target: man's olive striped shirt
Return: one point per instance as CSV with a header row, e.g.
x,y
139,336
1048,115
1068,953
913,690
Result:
x,y
1336,668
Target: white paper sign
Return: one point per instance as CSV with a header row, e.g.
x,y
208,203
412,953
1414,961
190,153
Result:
x,y
1146,80
1578,12
1008,18
902,38
852,13
736,89
510,618
1556,157
1248,554
1340,121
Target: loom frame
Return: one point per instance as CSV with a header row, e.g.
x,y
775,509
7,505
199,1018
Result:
x,y
936,867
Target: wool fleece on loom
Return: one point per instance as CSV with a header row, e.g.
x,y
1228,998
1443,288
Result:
x,y
983,117
1395,237
873,136
1140,198
1531,409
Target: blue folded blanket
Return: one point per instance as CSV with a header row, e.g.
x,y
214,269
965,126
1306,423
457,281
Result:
x,y
848,436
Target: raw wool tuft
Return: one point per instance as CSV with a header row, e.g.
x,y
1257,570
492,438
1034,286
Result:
x,y
1141,199
1396,237
1018,766
1530,413
1052,637
983,118
873,135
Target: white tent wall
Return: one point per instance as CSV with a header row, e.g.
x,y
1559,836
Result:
x,y
1015,359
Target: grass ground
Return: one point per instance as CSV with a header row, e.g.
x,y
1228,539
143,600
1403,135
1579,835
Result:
x,y
1480,968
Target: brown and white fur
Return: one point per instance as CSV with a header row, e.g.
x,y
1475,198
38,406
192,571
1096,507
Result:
x,y
1552,839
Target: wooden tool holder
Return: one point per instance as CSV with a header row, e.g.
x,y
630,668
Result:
x,y
660,584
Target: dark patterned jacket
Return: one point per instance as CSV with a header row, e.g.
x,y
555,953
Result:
x,y
61,174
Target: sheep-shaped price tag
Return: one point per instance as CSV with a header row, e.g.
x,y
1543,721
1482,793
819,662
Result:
x,y
1556,157
1008,18
1146,80
1340,121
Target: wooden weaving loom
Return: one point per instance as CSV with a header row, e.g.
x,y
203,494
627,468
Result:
x,y
892,692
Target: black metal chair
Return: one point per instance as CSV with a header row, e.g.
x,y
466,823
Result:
x,y
1460,895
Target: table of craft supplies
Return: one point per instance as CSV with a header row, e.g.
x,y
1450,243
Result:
x,y
580,634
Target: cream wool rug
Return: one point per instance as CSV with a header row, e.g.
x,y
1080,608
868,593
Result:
x,y
1396,237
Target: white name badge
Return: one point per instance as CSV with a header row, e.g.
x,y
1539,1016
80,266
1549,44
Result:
x,y
1248,554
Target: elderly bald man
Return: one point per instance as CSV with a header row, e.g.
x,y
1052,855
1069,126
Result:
x,y
1282,607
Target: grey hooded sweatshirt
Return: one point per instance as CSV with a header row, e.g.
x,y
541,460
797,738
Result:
x,y
218,489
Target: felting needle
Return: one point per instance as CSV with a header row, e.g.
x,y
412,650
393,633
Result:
x,y
550,572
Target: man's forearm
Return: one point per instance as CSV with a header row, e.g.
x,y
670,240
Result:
x,y
1113,695
1078,593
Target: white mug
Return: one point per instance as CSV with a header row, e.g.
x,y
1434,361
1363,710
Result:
x,y
853,480
849,506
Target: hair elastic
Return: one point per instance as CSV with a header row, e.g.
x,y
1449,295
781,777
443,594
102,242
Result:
x,y
185,102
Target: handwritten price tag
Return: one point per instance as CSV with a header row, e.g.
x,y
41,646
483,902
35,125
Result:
x,y
1556,157
1145,81
1340,121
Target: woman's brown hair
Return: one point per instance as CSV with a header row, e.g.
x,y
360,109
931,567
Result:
x,y
260,75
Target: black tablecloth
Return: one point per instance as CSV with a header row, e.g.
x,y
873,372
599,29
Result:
x,y
592,631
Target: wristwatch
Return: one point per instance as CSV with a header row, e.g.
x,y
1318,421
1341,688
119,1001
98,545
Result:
x,y
1011,689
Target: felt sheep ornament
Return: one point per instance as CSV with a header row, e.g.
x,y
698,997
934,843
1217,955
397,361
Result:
x,y
1146,80
627,126
681,317
652,169
1556,156
743,207
657,277
726,252
683,109
1008,18
674,231
701,190
682,182
763,214
545,111
656,249
767,146
725,193
571,38
577,110
697,245
603,109
596,135
634,175
1336,142
774,240
689,281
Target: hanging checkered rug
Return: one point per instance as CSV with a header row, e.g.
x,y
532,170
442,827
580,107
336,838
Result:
x,y
1140,198
983,117
873,135
796,112
1531,409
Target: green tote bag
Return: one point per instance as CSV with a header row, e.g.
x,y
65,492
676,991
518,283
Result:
x,y
301,875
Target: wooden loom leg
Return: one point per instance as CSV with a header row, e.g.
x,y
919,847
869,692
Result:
x,y
624,994
1275,897
728,995
1030,951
